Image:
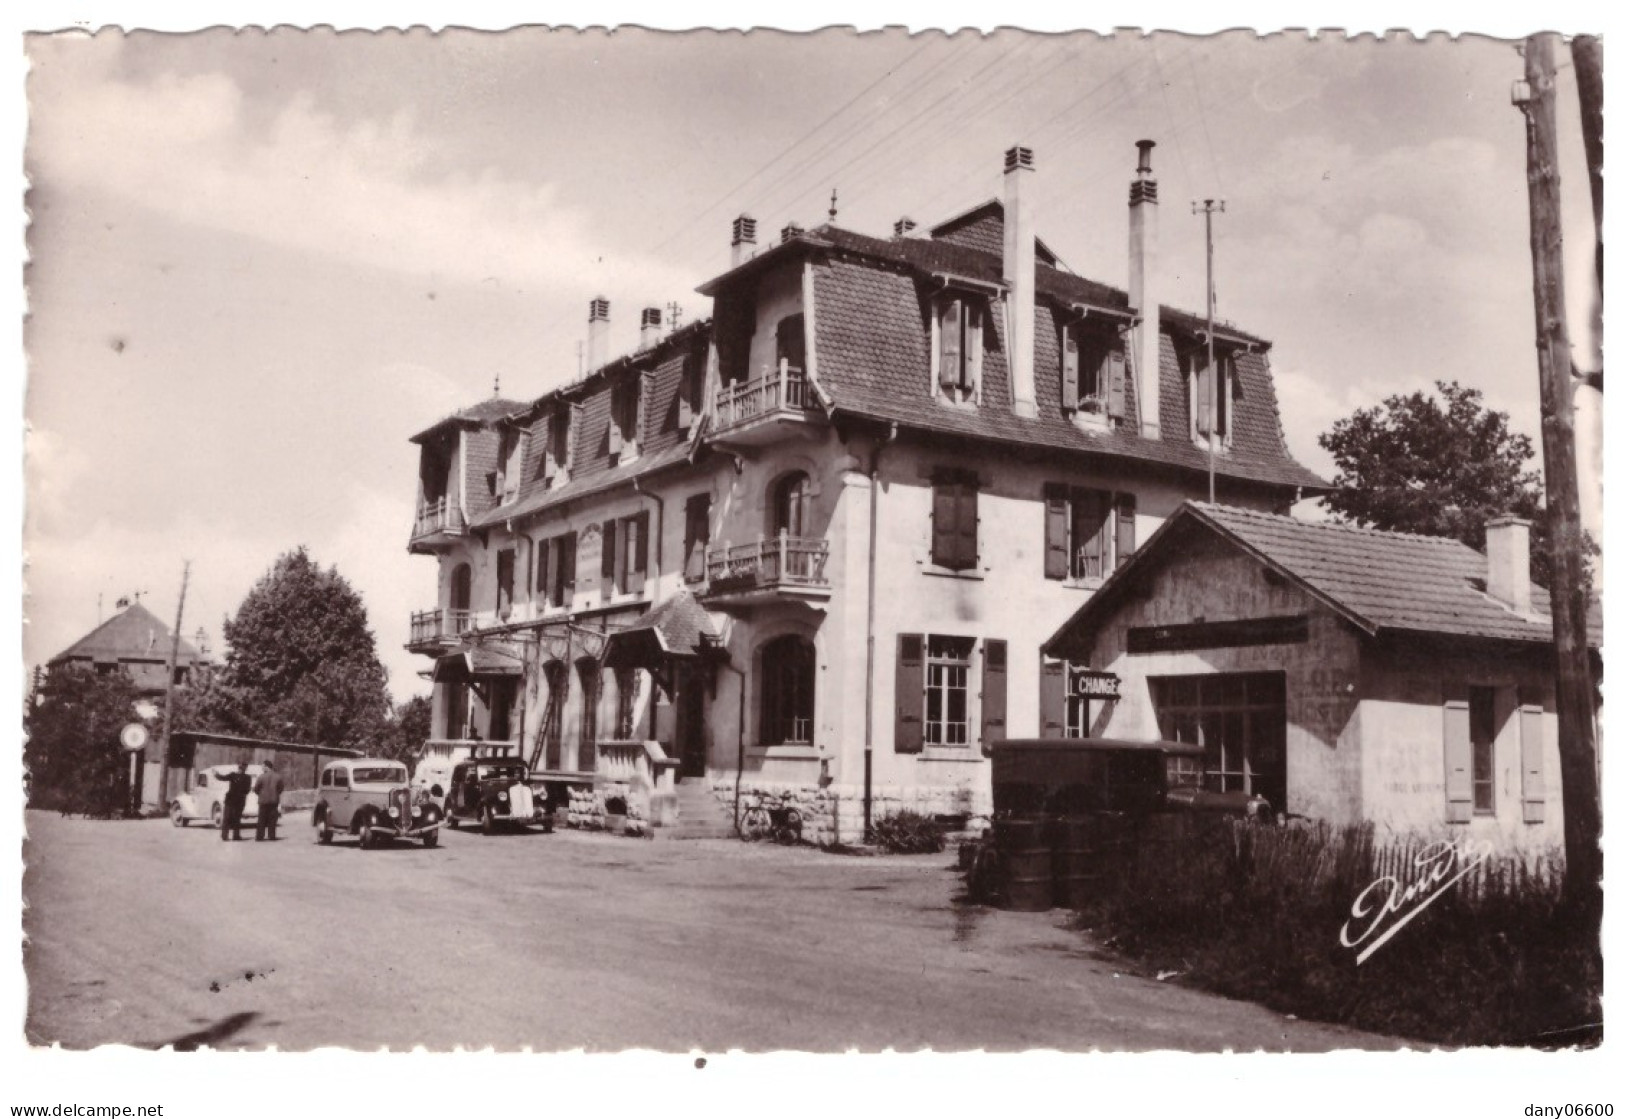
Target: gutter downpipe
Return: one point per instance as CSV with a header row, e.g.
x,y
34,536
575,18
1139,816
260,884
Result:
x,y
869,668
739,764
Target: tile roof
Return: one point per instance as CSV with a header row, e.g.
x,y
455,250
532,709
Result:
x,y
1382,582
679,624
487,411
134,633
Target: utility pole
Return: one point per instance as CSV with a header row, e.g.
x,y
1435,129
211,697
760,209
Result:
x,y
1587,52
1207,208
1576,730
169,693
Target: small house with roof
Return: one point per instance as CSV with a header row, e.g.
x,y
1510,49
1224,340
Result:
x,y
135,642
1345,674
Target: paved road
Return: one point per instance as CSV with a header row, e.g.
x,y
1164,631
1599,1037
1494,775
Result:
x,y
140,933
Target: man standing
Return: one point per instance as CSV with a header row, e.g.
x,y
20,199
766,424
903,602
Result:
x,y
237,787
269,789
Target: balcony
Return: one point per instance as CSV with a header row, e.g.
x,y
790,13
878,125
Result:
x,y
433,630
765,409
775,569
437,524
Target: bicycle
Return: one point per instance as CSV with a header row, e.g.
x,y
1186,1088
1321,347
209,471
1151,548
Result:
x,y
781,823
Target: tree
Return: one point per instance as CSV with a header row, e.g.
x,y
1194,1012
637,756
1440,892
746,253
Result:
x,y
409,728
302,664
1437,466
73,756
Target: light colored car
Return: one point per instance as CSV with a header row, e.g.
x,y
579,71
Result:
x,y
432,777
370,799
205,800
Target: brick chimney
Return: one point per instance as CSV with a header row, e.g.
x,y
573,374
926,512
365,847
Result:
x,y
1142,294
1506,542
1020,275
597,332
649,328
744,242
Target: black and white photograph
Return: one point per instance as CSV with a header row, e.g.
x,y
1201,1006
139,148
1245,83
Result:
x,y
591,539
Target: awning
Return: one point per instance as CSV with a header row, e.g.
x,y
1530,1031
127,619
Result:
x,y
471,662
678,627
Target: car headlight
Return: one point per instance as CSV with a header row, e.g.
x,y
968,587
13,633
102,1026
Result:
x,y
393,811
502,796
417,810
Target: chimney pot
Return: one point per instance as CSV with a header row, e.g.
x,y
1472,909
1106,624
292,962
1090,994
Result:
x,y
1146,337
649,328
903,228
597,332
1018,157
1020,273
1145,147
744,239
790,231
1506,546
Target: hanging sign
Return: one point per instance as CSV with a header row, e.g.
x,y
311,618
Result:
x,y
1096,685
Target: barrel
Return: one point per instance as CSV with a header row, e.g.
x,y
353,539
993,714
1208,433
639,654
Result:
x,y
1080,859
1024,856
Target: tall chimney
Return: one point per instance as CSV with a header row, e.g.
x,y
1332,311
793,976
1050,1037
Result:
x,y
1020,277
649,328
1142,268
744,242
597,333
1506,542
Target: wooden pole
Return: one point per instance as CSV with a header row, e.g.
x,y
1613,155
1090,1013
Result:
x,y
1576,730
169,693
1587,51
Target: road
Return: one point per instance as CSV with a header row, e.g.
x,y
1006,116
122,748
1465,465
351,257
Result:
x,y
144,934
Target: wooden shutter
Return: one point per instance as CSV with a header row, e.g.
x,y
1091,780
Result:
x,y
1458,760
948,351
607,557
1069,369
567,569
973,347
965,526
640,551
550,455
1125,527
504,582
617,417
685,397
1055,516
1532,749
1116,376
944,512
544,550
1203,395
995,692
910,694
1052,700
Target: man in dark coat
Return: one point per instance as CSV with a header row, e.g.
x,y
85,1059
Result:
x,y
237,789
269,790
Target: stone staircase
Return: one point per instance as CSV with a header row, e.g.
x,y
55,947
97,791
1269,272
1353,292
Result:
x,y
700,815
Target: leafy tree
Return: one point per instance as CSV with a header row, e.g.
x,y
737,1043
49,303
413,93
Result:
x,y
409,729
302,664
1438,466
73,756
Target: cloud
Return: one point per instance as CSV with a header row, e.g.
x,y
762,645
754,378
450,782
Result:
x,y
362,192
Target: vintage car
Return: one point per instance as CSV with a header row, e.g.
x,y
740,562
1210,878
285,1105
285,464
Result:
x,y
205,799
370,799
497,793
431,777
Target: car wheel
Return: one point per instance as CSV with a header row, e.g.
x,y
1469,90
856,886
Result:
x,y
324,833
451,821
431,838
216,814
488,822
176,816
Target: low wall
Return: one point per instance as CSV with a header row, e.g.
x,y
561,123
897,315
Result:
x,y
834,813
589,810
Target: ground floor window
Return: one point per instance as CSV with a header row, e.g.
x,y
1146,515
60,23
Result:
x,y
1239,720
1481,726
789,676
947,690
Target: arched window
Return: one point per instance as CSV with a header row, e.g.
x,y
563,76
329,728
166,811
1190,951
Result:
x,y
789,672
792,504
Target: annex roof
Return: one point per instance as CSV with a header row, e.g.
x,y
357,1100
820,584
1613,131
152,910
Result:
x,y
134,633
1381,582
487,411
678,627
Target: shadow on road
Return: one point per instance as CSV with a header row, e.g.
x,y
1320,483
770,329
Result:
x,y
209,1035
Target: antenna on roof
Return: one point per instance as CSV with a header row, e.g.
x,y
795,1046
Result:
x,y
832,198
674,312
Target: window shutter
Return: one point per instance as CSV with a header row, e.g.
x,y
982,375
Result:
x,y
965,537
1115,389
685,406
698,535
1069,369
544,550
944,510
995,690
1052,700
1458,762
1125,527
607,558
910,694
973,347
948,326
1055,510
567,569
617,419
640,553
1203,396
1532,747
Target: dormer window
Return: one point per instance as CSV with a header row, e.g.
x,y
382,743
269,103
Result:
x,y
956,351
690,391
625,405
558,441
1212,401
1093,374
510,455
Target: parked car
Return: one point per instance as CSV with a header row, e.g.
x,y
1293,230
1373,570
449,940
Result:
x,y
370,799
431,777
205,800
497,793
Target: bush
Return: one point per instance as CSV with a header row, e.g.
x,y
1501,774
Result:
x,y
907,833
1257,912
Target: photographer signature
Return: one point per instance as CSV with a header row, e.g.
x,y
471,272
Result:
x,y
1385,907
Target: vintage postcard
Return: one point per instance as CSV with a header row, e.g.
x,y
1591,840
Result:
x,y
570,540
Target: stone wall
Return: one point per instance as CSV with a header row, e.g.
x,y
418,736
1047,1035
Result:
x,y
589,810
834,813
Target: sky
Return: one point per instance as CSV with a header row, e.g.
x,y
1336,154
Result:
x,y
259,262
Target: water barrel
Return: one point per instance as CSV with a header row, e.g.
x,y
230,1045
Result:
x,y
1024,856
1080,859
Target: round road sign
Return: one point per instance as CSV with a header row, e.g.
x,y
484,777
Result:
x,y
134,737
